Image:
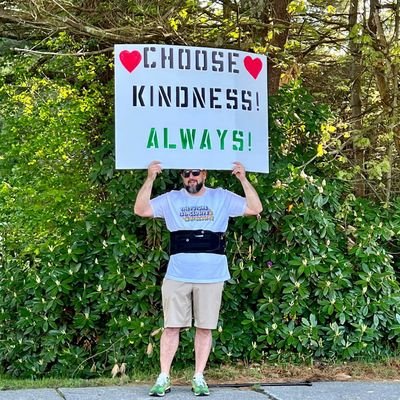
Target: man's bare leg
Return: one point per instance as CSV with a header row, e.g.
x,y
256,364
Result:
x,y
168,346
202,347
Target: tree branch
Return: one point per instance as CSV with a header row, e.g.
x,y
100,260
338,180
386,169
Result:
x,y
49,53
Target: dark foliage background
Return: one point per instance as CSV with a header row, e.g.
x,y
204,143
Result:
x,y
313,278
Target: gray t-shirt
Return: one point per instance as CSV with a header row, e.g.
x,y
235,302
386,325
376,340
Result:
x,y
211,211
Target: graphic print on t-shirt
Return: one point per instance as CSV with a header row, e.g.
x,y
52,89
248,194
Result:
x,y
196,213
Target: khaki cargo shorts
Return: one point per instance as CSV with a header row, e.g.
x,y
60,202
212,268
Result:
x,y
180,298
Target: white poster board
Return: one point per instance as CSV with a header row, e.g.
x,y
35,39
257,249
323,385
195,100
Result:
x,y
190,107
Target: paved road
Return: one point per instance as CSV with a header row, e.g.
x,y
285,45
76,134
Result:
x,y
317,391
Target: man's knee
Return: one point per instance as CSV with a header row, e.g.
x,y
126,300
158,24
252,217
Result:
x,y
171,332
203,332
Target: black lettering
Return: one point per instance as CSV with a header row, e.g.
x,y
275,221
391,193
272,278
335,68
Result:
x,y
151,96
201,60
217,61
138,96
214,98
164,96
182,101
232,99
232,62
165,57
199,98
186,59
246,101
194,97
184,64
146,59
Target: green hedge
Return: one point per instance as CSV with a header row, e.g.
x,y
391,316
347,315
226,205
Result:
x,y
80,274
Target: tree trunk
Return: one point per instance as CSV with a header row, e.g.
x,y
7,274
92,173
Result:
x,y
386,75
395,119
356,106
280,19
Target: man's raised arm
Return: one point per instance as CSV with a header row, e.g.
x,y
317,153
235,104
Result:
x,y
254,206
142,204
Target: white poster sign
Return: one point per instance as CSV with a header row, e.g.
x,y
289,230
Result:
x,y
190,107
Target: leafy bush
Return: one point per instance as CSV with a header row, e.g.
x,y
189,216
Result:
x,y
319,284
80,274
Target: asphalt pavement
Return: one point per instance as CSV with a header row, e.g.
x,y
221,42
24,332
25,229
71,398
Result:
x,y
388,390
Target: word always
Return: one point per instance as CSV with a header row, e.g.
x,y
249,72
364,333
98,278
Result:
x,y
190,139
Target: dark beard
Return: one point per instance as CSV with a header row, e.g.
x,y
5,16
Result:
x,y
194,189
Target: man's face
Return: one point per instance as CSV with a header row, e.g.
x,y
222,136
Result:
x,y
193,179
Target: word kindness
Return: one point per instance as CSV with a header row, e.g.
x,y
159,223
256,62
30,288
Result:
x,y
185,97
204,139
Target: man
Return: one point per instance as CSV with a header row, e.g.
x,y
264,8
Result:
x,y
197,217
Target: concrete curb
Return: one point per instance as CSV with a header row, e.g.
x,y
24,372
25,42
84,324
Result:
x,y
389,390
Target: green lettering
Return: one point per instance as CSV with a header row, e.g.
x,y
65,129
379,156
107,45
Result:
x,y
153,139
238,140
205,140
166,144
221,135
187,138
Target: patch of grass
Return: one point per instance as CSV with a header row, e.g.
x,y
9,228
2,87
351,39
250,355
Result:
x,y
10,384
388,369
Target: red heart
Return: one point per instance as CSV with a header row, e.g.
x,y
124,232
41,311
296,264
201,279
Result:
x,y
253,66
130,59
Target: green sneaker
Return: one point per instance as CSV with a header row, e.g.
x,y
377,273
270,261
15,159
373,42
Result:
x,y
199,386
162,386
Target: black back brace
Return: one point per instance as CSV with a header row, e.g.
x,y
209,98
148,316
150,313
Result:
x,y
198,241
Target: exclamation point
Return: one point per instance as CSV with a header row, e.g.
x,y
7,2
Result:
x,y
258,102
249,141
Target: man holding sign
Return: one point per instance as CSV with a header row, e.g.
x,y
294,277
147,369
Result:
x,y
197,217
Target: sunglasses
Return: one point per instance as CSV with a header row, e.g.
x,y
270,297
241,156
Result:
x,y
186,172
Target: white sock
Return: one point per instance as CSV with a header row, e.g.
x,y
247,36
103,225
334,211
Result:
x,y
198,375
163,375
